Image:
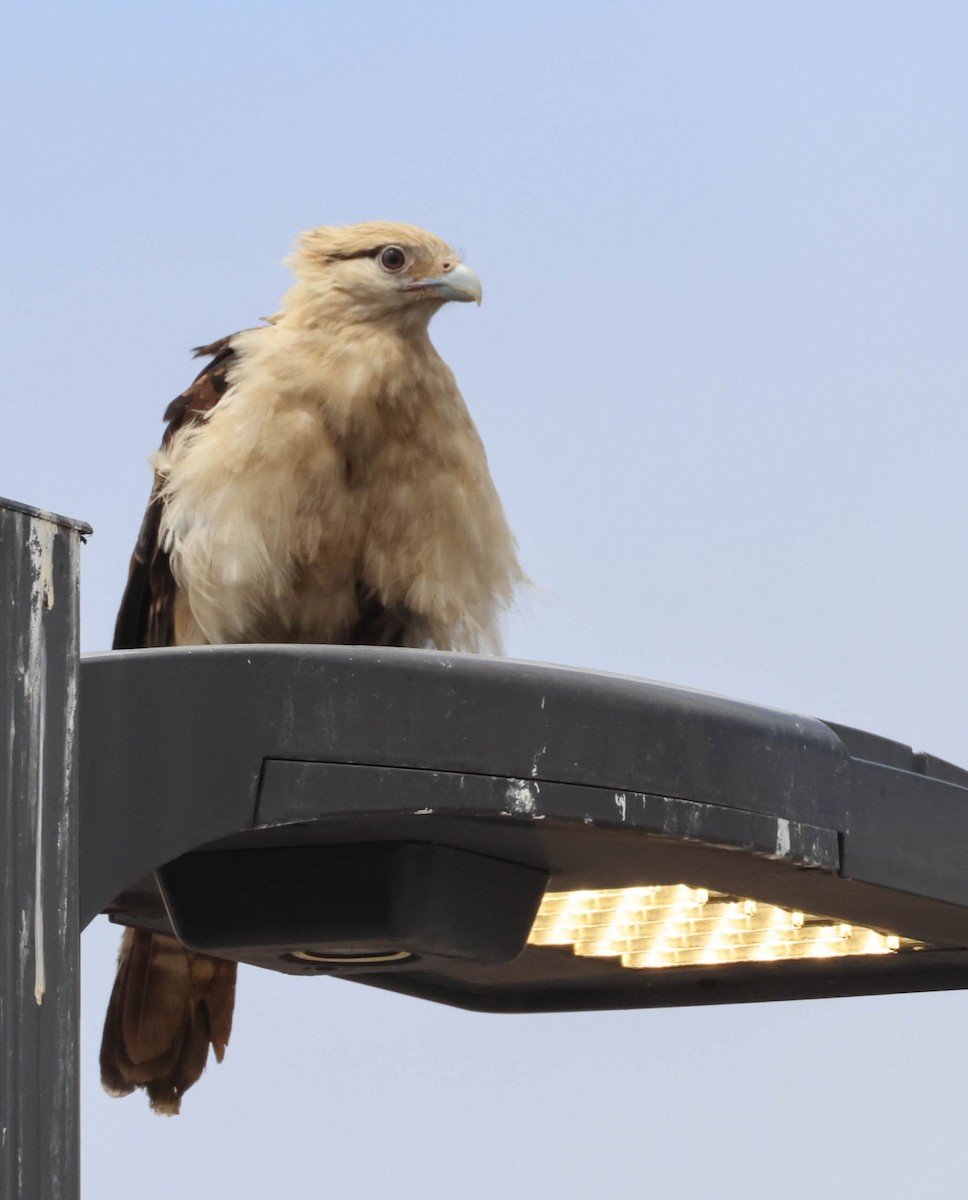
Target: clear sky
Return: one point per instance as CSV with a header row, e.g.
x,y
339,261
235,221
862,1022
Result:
x,y
720,371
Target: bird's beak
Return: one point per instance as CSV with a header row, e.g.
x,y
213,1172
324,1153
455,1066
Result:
x,y
459,283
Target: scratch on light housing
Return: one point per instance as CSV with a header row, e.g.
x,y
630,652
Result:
x,y
680,926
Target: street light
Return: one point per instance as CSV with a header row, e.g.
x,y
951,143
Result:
x,y
513,837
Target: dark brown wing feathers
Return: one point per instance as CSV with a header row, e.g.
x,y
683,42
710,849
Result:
x,y
146,615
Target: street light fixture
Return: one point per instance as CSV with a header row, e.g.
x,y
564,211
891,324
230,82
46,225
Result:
x,y
513,837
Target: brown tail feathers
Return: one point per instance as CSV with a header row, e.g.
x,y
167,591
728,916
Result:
x,y
168,1006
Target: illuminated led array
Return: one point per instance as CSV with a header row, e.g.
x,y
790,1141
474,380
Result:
x,y
680,926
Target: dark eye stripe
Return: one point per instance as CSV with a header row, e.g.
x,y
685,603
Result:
x,y
371,253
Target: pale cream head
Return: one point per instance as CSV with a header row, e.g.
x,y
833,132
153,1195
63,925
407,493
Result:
x,y
380,270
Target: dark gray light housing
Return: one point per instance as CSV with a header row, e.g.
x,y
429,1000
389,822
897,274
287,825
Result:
x,y
394,817
351,908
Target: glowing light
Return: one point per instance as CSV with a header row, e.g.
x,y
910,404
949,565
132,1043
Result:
x,y
680,926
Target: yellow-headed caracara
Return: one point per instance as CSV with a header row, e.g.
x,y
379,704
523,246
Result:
x,y
320,481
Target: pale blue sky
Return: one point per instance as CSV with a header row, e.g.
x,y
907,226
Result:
x,y
720,370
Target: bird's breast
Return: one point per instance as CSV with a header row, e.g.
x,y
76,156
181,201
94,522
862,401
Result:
x,y
288,501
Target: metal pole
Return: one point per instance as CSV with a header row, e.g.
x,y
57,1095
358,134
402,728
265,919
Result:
x,y
39,936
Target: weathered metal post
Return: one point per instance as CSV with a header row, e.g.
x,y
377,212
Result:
x,y
39,931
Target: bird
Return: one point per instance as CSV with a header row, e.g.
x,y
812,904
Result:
x,y
320,481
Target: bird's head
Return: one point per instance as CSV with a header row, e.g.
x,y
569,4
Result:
x,y
378,272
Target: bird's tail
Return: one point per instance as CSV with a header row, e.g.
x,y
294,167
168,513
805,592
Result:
x,y
168,1006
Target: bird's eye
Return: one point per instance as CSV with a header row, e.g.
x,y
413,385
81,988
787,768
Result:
x,y
392,258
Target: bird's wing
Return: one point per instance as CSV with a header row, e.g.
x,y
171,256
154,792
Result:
x,y
146,615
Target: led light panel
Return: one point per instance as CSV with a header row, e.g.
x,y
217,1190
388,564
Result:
x,y
679,926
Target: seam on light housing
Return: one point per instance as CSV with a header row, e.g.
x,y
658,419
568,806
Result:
x,y
681,926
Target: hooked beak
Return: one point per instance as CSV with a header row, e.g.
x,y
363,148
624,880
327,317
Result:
x,y
459,283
